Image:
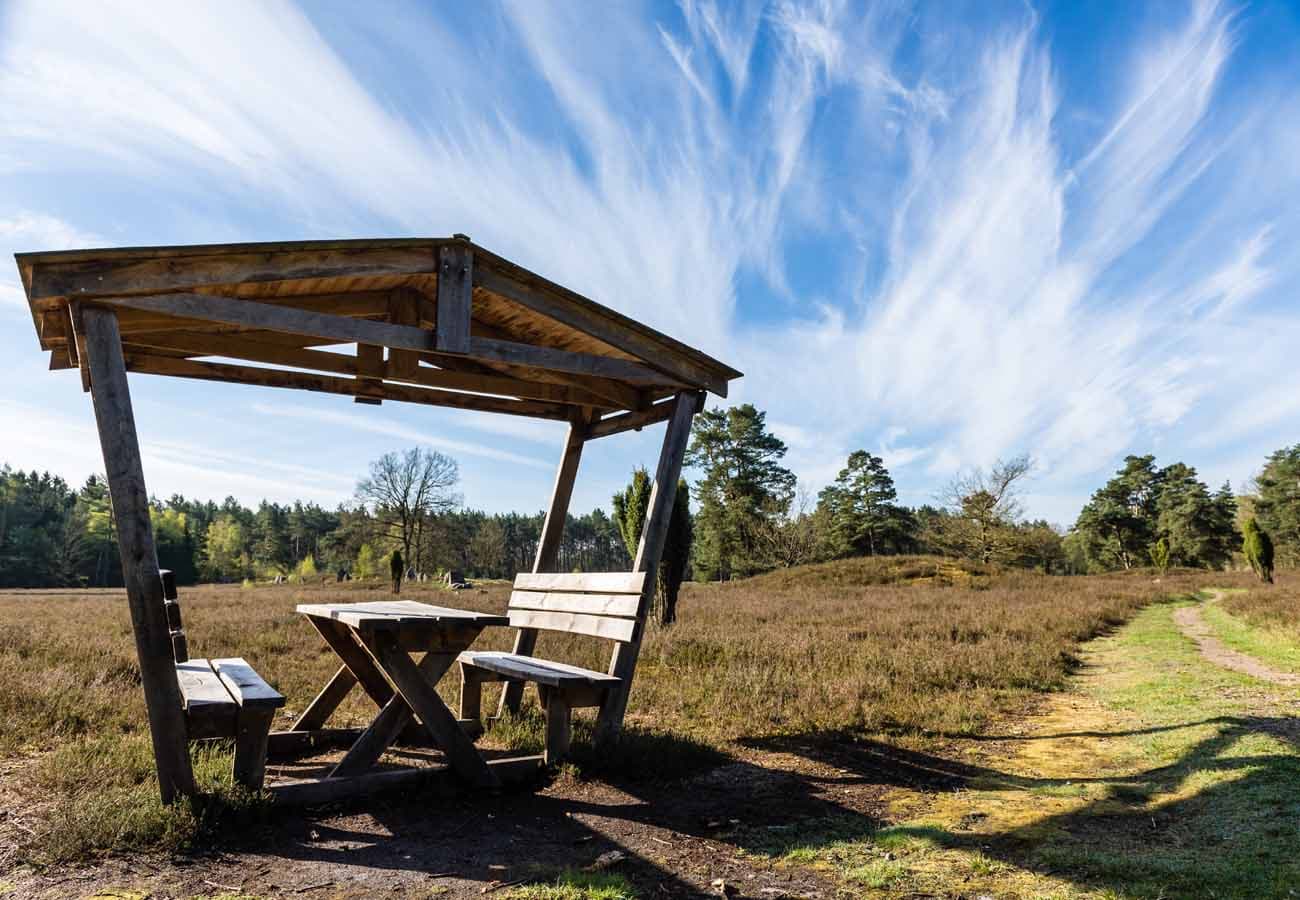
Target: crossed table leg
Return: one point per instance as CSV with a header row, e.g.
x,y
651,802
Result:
x,y
368,656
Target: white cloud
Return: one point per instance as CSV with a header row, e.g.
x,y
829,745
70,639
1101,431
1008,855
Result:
x,y
378,424
23,230
1010,287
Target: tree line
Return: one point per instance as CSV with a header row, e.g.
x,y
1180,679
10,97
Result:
x,y
749,516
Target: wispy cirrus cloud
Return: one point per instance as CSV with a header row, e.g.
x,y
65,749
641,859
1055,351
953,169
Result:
x,y
891,224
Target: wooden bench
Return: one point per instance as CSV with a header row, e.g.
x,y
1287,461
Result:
x,y
222,698
599,604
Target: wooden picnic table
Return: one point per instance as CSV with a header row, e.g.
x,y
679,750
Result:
x,y
375,641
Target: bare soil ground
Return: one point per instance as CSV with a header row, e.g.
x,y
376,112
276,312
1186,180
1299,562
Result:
x,y
1192,624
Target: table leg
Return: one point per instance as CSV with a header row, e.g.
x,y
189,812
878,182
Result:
x,y
318,712
362,665
419,693
392,719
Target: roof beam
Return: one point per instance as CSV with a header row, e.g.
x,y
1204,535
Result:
x,y
592,322
565,361
635,420
92,278
330,384
252,314
239,347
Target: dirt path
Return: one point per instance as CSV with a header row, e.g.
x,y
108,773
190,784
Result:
x,y
1192,623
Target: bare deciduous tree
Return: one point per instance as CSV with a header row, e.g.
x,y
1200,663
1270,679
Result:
x,y
983,509
404,490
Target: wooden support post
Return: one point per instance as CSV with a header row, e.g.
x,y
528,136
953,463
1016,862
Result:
x,y
144,587
254,728
658,514
559,725
455,292
404,309
548,545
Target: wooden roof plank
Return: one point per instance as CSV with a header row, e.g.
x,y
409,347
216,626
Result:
x,y
331,384
593,320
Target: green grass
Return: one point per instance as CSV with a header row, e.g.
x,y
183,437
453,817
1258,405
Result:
x,y
576,885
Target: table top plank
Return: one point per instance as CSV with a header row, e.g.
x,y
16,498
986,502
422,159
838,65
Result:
x,y
396,614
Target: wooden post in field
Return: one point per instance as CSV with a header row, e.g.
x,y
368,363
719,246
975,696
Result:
x,y
649,552
548,545
144,587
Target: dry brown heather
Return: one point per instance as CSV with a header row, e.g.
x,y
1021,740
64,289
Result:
x,y
1275,606
889,644
907,646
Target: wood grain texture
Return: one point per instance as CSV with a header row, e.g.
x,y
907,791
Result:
x,y
144,589
613,629
247,687
598,582
548,544
663,493
624,605
455,295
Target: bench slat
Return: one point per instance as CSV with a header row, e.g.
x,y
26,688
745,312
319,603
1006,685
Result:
x,y
247,687
589,582
200,686
529,668
595,604
596,626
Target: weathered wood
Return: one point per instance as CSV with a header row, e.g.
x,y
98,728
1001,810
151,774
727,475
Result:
x,y
599,324
358,660
511,771
559,725
574,623
531,668
404,309
254,726
392,720
259,350
169,586
518,354
471,693
592,604
322,707
201,689
327,384
455,295
144,589
649,552
631,421
399,614
291,744
597,582
254,314
548,544
180,646
154,269
370,373
246,687
425,702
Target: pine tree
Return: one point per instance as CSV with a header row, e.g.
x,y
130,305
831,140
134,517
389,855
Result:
x,y
860,508
744,486
1277,505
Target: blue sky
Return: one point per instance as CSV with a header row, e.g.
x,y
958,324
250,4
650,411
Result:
x,y
945,233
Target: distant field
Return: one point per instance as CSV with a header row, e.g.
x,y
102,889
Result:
x,y
908,647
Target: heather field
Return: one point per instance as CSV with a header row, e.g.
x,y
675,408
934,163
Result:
x,y
917,658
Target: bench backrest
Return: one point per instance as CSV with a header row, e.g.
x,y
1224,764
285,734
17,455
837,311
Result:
x,y
180,650
600,604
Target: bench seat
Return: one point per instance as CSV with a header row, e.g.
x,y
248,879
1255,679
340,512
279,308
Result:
x,y
226,698
514,667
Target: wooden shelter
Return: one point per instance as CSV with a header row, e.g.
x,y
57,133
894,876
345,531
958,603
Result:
x,y
441,322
